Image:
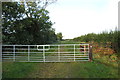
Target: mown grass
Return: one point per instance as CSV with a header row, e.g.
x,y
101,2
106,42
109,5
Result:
x,y
94,69
16,69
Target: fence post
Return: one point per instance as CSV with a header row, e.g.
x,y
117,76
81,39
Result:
x,y
90,52
13,52
74,52
28,53
43,53
58,52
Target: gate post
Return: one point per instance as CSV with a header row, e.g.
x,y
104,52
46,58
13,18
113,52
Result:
x,y
90,52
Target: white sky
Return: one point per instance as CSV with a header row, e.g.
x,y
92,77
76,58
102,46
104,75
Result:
x,y
78,17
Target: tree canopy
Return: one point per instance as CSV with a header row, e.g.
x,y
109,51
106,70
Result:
x,y
59,36
26,23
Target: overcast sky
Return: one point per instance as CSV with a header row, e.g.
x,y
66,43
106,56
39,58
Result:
x,y
78,17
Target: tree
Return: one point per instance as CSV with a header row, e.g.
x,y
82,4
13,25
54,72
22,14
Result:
x,y
26,23
11,12
59,36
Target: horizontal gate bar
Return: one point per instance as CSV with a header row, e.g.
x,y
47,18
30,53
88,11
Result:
x,y
47,61
75,54
48,44
53,52
36,49
75,58
46,52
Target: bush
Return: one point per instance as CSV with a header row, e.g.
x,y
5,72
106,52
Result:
x,y
103,51
114,57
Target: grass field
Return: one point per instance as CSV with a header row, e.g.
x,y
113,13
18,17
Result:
x,y
101,67
93,69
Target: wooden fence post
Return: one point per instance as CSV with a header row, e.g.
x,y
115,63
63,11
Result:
x,y
90,52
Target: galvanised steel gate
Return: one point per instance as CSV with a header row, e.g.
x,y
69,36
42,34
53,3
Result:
x,y
47,53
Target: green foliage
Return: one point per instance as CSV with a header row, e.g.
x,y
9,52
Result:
x,y
26,23
109,60
103,38
59,36
114,57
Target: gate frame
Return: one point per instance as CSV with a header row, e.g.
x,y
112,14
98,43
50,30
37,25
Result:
x,y
58,45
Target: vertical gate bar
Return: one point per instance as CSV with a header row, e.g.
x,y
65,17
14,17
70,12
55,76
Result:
x,y
13,52
84,48
43,53
88,48
28,53
58,52
74,52
90,52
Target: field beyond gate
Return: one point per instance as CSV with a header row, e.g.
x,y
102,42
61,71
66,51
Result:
x,y
46,53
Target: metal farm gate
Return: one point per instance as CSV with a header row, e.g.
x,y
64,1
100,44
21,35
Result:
x,y
47,53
